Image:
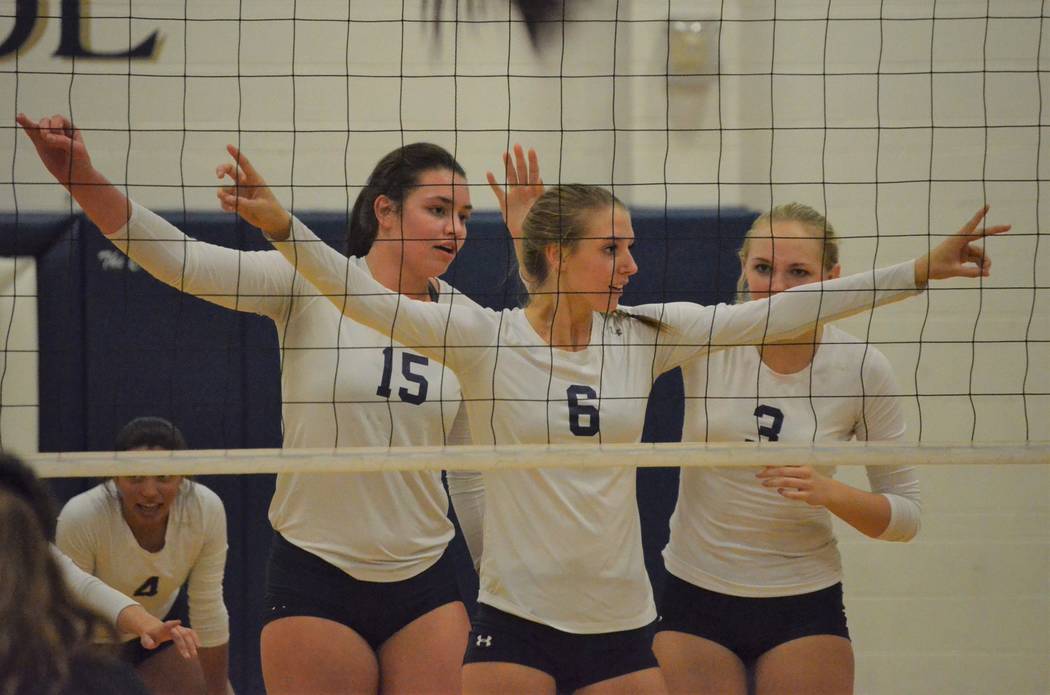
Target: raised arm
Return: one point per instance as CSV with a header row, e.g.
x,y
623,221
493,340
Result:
x,y
697,330
62,151
523,186
259,282
424,326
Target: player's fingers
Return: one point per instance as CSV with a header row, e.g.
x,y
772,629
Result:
x,y
497,189
783,471
520,164
969,230
509,172
534,167
244,163
226,169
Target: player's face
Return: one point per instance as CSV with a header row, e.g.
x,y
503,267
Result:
x,y
788,258
431,225
601,264
147,499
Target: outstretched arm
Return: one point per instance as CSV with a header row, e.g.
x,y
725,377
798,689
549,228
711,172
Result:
x,y
153,632
260,282
427,327
698,330
61,149
127,615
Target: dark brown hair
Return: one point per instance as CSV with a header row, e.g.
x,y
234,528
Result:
x,y
41,624
393,176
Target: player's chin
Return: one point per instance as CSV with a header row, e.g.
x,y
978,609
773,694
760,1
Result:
x,y
439,263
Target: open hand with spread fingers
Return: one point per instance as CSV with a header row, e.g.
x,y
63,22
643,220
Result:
x,y
523,186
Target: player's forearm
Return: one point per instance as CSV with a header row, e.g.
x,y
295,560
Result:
x,y
867,512
136,620
101,201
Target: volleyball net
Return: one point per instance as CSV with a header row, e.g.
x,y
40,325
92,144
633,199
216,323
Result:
x,y
897,119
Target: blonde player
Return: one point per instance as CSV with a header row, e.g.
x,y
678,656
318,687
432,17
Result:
x,y
148,537
754,577
565,601
360,591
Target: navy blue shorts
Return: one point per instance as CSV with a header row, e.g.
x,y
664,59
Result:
x,y
298,583
750,627
574,661
134,653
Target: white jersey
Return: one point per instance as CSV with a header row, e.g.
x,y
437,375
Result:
x,y
90,590
732,535
342,384
563,546
93,533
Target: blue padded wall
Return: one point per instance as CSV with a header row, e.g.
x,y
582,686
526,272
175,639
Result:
x,y
115,344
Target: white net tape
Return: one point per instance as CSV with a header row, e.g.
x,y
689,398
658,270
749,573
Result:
x,y
370,459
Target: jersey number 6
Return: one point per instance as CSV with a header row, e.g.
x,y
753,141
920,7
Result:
x,y
577,411
407,360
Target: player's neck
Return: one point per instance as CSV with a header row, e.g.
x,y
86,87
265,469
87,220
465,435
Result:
x,y
389,271
150,537
561,320
791,356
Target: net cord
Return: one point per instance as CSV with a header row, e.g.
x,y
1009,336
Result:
x,y
533,456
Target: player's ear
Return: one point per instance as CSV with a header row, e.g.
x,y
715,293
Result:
x,y
554,257
385,211
835,272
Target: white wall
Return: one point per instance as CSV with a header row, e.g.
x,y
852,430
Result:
x,y
898,127
19,401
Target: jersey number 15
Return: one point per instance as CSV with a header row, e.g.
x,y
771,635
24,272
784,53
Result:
x,y
408,359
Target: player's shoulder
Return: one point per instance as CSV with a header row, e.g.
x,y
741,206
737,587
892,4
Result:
x,y
202,506
849,349
90,503
447,294
204,495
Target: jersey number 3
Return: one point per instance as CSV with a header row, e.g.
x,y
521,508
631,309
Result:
x,y
772,432
407,360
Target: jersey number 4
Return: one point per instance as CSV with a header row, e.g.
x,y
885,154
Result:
x,y
408,359
148,588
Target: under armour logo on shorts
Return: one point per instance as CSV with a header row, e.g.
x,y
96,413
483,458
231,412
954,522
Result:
x,y
484,641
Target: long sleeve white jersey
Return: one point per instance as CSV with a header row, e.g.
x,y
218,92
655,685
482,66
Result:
x,y
90,590
93,533
563,546
732,535
342,384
